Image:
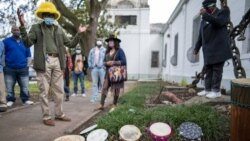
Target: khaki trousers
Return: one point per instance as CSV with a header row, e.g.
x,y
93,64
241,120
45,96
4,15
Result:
x,y
2,89
52,79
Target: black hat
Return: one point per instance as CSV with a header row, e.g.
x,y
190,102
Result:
x,y
113,37
205,3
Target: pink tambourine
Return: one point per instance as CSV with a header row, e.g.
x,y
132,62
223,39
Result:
x,y
160,131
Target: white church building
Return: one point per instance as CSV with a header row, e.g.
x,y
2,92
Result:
x,y
159,51
141,46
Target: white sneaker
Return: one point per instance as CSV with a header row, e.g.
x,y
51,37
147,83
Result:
x,y
83,95
202,93
213,95
28,102
74,94
10,103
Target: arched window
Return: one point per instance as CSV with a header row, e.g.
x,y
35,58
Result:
x,y
125,4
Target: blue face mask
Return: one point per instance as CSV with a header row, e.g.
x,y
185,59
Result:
x,y
49,21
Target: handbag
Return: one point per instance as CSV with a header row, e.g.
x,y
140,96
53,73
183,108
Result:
x,y
117,73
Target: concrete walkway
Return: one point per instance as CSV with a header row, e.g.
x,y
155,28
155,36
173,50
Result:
x,y
25,123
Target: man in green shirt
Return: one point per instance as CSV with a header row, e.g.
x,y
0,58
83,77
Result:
x,y
49,57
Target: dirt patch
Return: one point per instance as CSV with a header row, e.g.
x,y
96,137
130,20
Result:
x,y
173,96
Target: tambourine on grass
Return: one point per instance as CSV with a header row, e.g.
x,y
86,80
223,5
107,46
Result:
x,y
129,133
98,135
70,138
159,131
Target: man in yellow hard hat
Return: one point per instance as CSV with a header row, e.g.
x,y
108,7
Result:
x,y
49,57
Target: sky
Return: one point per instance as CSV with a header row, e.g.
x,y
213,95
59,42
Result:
x,y
160,10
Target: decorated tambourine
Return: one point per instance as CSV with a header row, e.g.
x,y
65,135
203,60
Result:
x,y
160,131
98,135
129,133
70,138
190,131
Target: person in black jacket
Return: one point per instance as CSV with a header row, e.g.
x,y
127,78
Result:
x,y
215,41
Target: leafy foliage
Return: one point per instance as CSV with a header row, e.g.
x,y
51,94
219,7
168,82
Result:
x,y
8,15
79,8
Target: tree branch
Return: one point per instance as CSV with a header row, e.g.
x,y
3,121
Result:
x,y
67,26
66,12
79,4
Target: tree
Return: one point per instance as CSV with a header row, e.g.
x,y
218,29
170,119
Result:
x,y
84,11
73,13
8,15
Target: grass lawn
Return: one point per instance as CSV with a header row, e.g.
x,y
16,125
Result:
x,y
33,88
215,126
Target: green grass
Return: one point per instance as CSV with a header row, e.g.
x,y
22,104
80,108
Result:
x,y
213,124
33,88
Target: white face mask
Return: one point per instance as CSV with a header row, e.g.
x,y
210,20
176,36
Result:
x,y
99,43
78,51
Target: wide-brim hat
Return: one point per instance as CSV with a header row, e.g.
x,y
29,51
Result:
x,y
47,7
205,3
113,37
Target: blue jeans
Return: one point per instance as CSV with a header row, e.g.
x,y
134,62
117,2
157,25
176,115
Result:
x,y
21,76
66,88
97,74
79,76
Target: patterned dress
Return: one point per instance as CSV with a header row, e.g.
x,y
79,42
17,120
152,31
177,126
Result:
x,y
107,82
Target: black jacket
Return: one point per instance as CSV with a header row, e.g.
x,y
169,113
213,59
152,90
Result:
x,y
214,37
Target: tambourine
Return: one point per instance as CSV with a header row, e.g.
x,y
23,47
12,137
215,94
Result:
x,y
70,138
98,135
190,131
129,133
160,131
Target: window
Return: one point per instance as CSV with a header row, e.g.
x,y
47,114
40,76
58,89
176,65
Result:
x,y
155,59
174,59
125,4
196,27
130,20
164,61
246,43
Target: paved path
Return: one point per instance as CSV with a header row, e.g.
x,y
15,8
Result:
x,y
25,123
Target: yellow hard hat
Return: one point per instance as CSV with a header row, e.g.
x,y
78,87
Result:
x,y
47,7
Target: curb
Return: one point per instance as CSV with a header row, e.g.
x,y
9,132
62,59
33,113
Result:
x,y
71,130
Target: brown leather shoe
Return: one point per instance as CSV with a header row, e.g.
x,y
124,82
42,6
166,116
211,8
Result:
x,y
64,118
49,122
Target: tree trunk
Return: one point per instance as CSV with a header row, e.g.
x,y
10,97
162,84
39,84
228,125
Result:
x,y
88,38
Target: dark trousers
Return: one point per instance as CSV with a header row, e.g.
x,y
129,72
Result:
x,y
213,77
105,88
21,76
66,82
